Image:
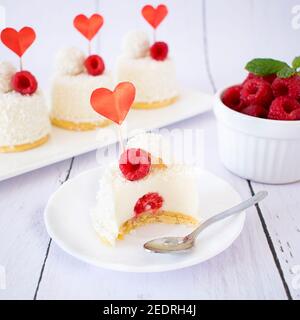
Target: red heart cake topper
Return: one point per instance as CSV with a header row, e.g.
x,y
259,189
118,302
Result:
x,y
154,16
88,27
114,105
18,41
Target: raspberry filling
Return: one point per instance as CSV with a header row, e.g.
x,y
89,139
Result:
x,y
135,164
94,65
150,202
24,82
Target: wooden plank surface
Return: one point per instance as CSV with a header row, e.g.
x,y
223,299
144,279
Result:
x,y
23,235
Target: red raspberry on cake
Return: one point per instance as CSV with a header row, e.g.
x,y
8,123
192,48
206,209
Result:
x,y
269,78
231,97
257,92
94,65
159,51
255,111
150,202
284,108
287,87
24,82
135,164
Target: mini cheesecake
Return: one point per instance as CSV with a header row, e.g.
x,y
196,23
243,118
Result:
x,y
154,77
72,86
24,119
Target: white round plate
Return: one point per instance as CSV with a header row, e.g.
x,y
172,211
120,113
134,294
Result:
x,y
67,218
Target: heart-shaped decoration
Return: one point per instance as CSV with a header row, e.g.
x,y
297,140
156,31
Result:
x,y
114,105
18,41
88,27
154,16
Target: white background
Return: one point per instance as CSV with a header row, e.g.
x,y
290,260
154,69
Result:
x,y
211,41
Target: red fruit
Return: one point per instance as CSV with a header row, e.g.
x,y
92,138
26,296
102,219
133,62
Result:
x,y
287,87
135,164
150,202
257,92
24,82
269,78
295,115
255,111
231,97
159,51
94,65
284,108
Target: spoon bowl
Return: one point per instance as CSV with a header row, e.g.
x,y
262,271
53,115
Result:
x,y
172,244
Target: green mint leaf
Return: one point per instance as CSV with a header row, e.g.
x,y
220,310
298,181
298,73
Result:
x,y
286,72
296,63
264,67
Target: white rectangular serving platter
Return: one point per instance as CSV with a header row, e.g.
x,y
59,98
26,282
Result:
x,y
65,144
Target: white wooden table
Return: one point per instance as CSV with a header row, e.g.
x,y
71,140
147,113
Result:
x,y
263,263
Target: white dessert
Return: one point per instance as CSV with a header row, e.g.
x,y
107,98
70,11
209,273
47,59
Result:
x,y
155,81
114,215
71,91
7,70
24,120
70,61
136,44
71,97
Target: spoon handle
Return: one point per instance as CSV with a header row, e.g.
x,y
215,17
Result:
x,y
229,212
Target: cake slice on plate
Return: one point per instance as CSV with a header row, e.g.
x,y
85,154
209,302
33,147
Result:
x,y
142,189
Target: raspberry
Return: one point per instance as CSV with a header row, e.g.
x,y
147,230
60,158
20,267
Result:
x,y
135,164
284,108
269,78
150,202
257,91
24,82
159,51
295,115
287,87
231,97
255,111
94,65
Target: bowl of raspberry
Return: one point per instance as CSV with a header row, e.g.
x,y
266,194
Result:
x,y
259,123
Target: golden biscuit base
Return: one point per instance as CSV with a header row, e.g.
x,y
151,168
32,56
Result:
x,y
155,104
157,217
80,126
24,147
157,164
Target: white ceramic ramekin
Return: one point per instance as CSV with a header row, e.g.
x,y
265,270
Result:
x,y
262,150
